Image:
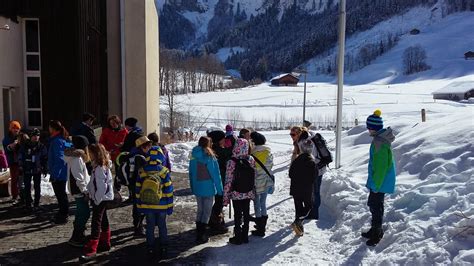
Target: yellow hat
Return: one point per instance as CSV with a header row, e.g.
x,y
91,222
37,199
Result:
x,y
142,140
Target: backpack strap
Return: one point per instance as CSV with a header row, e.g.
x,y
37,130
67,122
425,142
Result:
x,y
264,168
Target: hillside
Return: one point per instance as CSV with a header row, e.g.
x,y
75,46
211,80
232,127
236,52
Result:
x,y
277,36
444,40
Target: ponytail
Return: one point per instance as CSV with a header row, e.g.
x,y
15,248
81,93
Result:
x,y
205,143
57,126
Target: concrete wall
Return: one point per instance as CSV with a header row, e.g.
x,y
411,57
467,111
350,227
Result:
x,y
113,58
142,63
11,70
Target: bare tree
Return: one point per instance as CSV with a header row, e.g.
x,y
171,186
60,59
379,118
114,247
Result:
x,y
414,60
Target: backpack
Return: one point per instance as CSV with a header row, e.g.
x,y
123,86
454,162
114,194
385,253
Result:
x,y
323,151
244,176
152,189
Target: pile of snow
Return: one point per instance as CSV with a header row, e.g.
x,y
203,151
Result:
x,y
179,155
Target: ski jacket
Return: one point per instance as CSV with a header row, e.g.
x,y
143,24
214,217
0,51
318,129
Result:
x,y
154,165
77,176
240,151
56,165
302,173
111,138
84,130
381,168
204,177
101,184
263,183
33,157
12,154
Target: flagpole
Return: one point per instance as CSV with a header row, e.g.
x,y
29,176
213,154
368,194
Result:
x,y
340,78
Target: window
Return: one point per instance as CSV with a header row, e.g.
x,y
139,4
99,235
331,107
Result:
x,y
32,67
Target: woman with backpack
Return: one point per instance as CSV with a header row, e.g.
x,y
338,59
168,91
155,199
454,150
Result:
x,y
240,188
205,182
264,181
101,193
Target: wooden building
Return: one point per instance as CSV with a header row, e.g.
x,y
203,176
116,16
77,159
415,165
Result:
x,y
62,58
286,79
469,55
456,91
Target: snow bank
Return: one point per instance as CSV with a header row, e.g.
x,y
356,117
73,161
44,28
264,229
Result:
x,y
435,165
179,155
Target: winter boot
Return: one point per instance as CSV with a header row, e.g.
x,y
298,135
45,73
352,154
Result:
x,y
104,241
78,239
375,237
237,238
204,233
198,232
297,227
201,234
90,250
369,233
245,234
260,230
217,224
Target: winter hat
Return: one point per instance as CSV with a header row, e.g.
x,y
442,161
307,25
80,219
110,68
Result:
x,y
35,132
131,122
216,135
306,146
142,140
258,138
80,142
375,121
15,125
229,130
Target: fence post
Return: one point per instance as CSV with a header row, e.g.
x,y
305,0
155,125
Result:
x,y
356,122
423,115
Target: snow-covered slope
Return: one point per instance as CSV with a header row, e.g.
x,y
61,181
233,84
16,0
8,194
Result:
x,y
435,178
444,39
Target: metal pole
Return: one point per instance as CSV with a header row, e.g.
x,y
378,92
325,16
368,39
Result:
x,y
340,78
304,98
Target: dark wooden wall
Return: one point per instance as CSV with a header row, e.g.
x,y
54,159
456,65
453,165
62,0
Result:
x,y
73,55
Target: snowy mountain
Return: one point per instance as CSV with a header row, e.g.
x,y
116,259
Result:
x,y
278,36
188,24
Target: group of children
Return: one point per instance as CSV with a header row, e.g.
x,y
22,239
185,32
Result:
x,y
238,170
226,168
223,169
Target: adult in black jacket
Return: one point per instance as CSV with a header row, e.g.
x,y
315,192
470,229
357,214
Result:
x,y
216,222
134,133
84,128
303,171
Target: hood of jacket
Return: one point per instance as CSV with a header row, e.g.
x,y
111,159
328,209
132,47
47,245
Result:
x,y
199,154
385,135
261,148
71,153
241,148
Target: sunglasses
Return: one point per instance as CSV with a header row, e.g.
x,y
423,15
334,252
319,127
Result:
x,y
292,134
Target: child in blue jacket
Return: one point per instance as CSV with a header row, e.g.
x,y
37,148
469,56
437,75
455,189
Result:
x,y
205,181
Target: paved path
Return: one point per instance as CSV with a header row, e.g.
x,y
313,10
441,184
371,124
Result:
x,y
33,239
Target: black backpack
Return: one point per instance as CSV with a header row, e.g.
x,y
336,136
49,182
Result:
x,y
323,151
244,176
